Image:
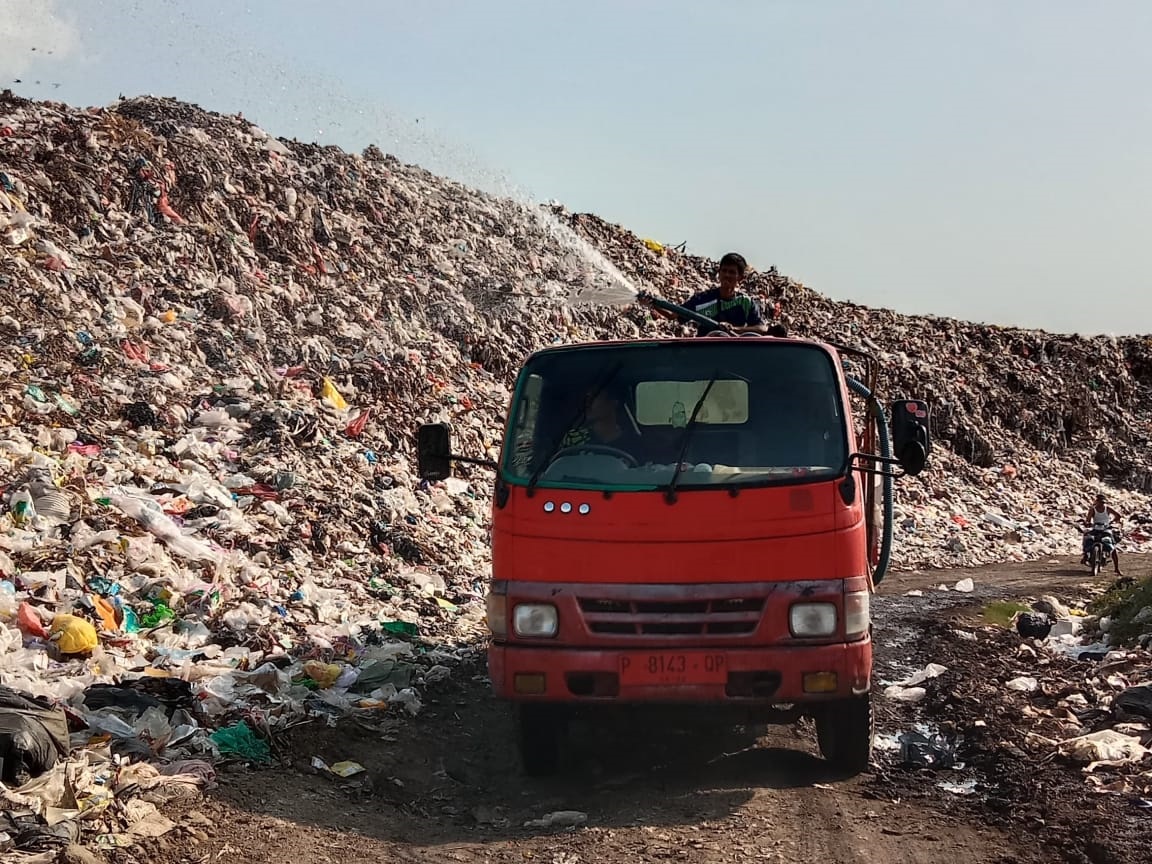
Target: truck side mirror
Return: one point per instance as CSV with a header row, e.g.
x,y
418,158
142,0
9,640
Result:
x,y
911,441
433,451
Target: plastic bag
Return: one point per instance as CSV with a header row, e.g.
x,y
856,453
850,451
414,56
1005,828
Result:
x,y
154,520
356,428
100,696
239,740
376,673
28,620
324,674
1136,700
924,752
73,635
1106,745
331,395
33,736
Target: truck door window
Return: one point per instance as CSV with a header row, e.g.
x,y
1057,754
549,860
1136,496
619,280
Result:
x,y
524,423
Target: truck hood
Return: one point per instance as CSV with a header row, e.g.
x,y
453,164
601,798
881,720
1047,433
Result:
x,y
770,534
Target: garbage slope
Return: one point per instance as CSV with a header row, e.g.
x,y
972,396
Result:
x,y
243,332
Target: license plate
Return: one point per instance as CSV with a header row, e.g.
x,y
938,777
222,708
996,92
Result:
x,y
673,667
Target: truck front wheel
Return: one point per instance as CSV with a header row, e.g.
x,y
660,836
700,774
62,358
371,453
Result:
x,y
845,731
541,734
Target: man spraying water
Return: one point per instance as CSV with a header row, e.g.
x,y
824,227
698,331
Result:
x,y
736,312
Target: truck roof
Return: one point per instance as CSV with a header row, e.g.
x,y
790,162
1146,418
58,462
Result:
x,y
684,340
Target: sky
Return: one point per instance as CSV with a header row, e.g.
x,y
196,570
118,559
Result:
x,y
983,160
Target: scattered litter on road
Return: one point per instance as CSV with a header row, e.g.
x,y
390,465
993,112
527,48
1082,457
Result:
x,y
1022,684
1135,700
905,694
1106,747
559,819
962,787
923,751
1033,625
339,769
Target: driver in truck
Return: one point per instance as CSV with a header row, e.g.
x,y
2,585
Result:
x,y
602,425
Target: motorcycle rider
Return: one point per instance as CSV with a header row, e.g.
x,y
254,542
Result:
x,y
1100,519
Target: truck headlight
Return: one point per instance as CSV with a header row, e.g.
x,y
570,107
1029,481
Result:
x,y
812,619
535,619
497,609
857,614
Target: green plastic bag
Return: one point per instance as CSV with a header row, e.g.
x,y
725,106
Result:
x,y
160,614
240,740
399,628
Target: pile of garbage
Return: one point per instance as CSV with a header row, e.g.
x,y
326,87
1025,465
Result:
x,y
215,346
1089,706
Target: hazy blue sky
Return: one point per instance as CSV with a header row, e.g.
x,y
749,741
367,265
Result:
x,y
988,160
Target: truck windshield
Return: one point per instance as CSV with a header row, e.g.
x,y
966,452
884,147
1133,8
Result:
x,y
615,417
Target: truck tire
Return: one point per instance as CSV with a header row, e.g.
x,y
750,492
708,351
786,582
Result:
x,y
845,731
541,735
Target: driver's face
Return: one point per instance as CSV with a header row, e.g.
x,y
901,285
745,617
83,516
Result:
x,y
601,408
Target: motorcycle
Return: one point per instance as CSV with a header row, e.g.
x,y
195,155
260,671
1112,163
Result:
x,y
1103,544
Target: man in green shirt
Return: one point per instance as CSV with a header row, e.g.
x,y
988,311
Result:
x,y
735,312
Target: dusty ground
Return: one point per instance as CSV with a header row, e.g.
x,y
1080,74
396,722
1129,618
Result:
x,y
446,787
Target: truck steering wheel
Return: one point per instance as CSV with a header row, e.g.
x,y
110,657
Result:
x,y
599,448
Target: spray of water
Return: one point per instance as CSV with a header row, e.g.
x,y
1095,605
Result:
x,y
596,280
321,109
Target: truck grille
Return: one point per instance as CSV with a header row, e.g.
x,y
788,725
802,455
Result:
x,y
726,617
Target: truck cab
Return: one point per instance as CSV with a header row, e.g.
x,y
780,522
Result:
x,y
690,521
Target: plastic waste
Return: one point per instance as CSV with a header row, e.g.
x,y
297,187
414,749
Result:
x,y
343,769
374,674
408,698
1135,700
932,670
159,614
324,674
1033,625
30,622
8,602
1107,745
73,635
33,736
400,628
123,699
154,520
331,395
905,694
924,751
239,740
22,507
559,819
1023,684
154,728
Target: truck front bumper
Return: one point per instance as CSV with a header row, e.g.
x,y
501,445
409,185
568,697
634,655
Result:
x,y
764,676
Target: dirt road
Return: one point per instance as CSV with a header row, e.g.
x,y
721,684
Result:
x,y
446,787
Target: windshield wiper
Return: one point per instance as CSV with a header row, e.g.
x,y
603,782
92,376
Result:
x,y
576,420
687,436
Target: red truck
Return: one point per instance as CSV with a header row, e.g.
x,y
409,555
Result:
x,y
695,521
